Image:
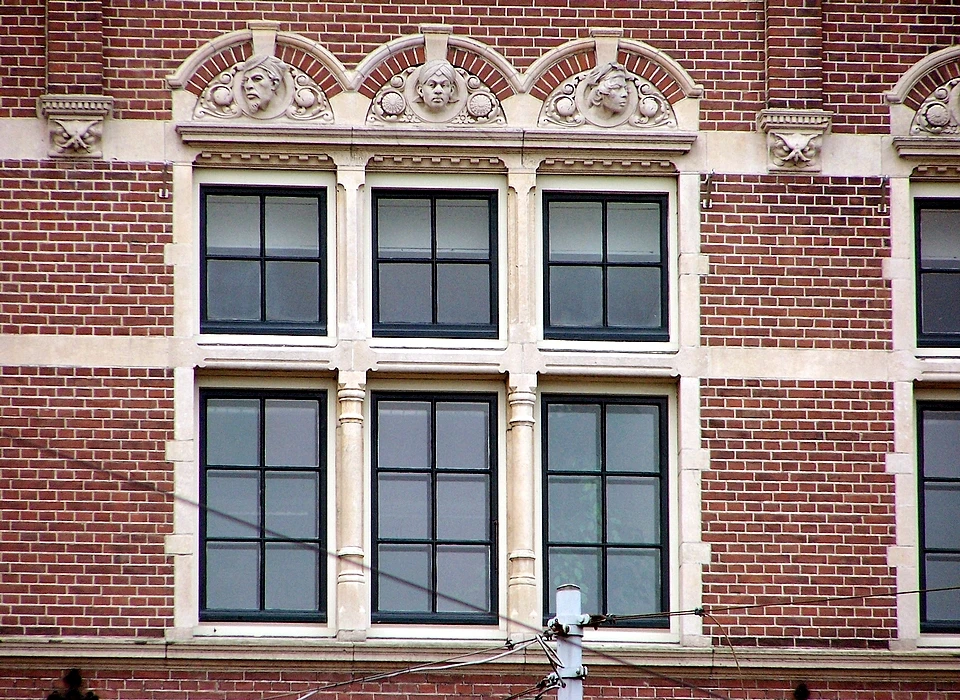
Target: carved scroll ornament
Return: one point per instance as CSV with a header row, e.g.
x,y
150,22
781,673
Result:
x,y
607,96
263,87
939,115
436,92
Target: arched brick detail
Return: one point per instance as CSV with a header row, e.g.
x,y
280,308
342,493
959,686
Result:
x,y
489,74
561,70
663,81
396,63
320,74
922,89
217,64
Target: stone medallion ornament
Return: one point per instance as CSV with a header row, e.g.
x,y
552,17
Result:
x,y
263,87
436,92
607,96
939,114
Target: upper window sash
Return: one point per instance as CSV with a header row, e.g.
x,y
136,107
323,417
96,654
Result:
x,y
263,260
605,266
937,225
435,263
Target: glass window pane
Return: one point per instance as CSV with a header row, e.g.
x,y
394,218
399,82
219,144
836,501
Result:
x,y
463,441
292,504
293,292
233,290
579,566
463,579
233,225
940,238
292,428
403,228
463,293
939,310
233,576
463,228
233,496
291,577
573,437
404,578
403,506
633,438
942,571
576,296
633,232
406,293
463,507
576,231
233,432
941,507
941,444
403,434
575,509
633,510
633,297
292,226
633,582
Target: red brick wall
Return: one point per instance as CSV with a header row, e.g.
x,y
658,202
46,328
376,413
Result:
x,y
83,548
22,62
795,261
797,504
83,248
74,47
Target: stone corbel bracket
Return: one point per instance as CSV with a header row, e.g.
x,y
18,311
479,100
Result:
x,y
75,124
794,138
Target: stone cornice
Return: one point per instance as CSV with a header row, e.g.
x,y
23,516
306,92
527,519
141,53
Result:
x,y
75,106
931,148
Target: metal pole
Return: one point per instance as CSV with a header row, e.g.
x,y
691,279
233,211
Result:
x,y
568,625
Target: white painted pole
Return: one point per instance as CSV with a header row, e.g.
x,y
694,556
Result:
x,y
569,629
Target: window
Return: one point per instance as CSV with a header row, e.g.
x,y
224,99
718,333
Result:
x,y
262,491
434,496
605,273
263,260
938,271
435,263
605,503
939,446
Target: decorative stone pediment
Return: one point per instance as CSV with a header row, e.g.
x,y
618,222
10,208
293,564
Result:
x,y
608,96
436,92
939,114
263,88
794,138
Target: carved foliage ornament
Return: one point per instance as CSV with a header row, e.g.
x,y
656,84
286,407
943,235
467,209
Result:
x,y
796,150
436,92
939,115
263,87
607,96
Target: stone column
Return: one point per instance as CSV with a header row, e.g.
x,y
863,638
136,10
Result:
x,y
353,612
351,268
522,294
523,604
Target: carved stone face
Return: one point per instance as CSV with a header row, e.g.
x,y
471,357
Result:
x,y
259,87
611,96
436,90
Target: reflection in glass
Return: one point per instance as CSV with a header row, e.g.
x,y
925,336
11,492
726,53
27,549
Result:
x,y
576,231
573,437
633,510
633,297
232,432
293,291
633,232
633,439
941,506
633,581
463,511
575,512
942,571
579,566
233,290
463,578
403,434
232,576
404,578
941,436
403,506
291,581
463,228
233,225
463,293
233,496
292,433
292,505
940,238
939,310
576,296
462,435
403,228
292,226
405,293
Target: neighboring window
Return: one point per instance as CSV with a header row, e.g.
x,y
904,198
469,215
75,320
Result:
x,y
605,275
434,505
435,263
938,271
939,508
263,260
605,509
262,491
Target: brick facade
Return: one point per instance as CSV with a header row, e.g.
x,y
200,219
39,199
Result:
x,y
774,382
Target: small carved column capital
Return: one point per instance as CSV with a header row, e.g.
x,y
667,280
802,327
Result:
x,y
75,124
794,138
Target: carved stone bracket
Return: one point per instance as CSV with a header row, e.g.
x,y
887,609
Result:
x,y
939,114
608,96
75,124
436,92
263,87
794,138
